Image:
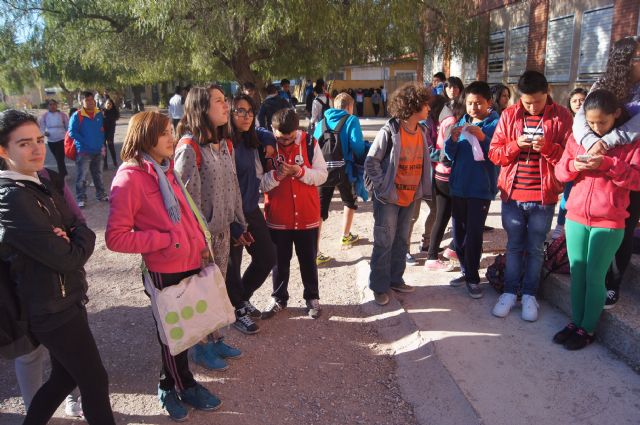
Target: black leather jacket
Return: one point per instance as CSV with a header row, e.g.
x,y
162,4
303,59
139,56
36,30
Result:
x,y
48,271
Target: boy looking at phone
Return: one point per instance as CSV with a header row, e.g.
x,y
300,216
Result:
x,y
528,143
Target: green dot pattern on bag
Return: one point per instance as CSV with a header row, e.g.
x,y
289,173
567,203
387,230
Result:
x,y
176,333
201,306
172,318
187,313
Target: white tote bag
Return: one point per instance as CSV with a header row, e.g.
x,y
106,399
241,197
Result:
x,y
189,311
197,306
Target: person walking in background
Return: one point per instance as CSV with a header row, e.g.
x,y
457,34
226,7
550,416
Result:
x,y
204,159
319,105
54,124
86,128
376,99
472,182
150,215
292,209
360,102
527,145
111,117
576,99
596,213
398,171
176,106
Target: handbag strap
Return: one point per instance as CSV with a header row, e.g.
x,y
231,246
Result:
x,y
196,212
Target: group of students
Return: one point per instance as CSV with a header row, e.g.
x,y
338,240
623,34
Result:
x,y
223,161
530,152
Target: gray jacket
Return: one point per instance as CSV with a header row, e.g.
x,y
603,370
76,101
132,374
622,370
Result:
x,y
380,167
214,187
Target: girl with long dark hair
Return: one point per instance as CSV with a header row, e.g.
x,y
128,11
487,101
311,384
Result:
x,y
622,78
248,145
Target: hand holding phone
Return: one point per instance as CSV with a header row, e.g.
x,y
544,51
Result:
x,y
524,142
584,158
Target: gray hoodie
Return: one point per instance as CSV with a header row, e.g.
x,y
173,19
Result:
x,y
381,164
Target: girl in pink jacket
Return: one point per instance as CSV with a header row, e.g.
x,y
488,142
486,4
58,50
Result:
x,y
596,213
149,214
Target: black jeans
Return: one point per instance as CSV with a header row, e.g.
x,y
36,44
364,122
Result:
x,y
305,242
469,216
57,149
376,108
75,361
175,373
443,214
347,194
623,255
263,257
109,143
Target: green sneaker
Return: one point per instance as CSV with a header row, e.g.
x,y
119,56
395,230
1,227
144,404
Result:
x,y
322,259
350,239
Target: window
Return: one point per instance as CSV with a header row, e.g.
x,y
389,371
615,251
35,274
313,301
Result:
x,y
496,57
559,49
518,50
595,38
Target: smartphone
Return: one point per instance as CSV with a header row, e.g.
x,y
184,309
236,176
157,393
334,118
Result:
x,y
584,158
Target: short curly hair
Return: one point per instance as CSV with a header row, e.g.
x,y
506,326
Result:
x,y
408,99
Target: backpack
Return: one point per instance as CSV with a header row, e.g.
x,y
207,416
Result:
x,y
69,143
196,148
495,275
325,106
331,147
556,259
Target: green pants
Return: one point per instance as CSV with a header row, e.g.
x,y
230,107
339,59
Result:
x,y
590,251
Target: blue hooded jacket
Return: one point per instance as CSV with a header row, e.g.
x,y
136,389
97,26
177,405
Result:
x,y
470,178
88,135
353,146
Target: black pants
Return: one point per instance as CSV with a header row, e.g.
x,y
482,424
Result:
x,y
346,189
75,361
57,149
623,255
175,373
263,257
443,214
305,242
109,143
469,216
376,109
360,108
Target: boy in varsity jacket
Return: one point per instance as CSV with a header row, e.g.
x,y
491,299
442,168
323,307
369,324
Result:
x,y
527,145
292,208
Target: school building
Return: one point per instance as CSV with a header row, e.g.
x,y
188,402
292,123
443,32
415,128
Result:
x,y
567,40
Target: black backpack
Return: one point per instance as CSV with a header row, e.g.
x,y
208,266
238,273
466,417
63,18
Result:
x,y
325,106
331,147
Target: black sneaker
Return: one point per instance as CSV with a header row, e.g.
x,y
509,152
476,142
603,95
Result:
x,y
612,298
273,308
244,323
458,280
313,308
474,290
578,340
253,312
562,336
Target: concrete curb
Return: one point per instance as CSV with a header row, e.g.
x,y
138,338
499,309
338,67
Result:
x,y
417,362
619,328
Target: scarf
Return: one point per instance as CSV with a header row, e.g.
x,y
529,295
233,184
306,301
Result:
x,y
168,196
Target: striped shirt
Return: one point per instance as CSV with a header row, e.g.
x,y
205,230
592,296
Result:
x,y
527,186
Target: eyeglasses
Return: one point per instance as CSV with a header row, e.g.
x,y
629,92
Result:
x,y
243,113
635,59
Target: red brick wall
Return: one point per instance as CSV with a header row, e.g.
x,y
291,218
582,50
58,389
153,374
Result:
x,y
483,6
625,19
538,24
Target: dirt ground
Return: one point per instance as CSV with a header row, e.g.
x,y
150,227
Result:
x,y
295,371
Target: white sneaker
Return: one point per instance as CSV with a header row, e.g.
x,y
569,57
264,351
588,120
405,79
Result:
x,y
73,408
504,305
557,232
529,308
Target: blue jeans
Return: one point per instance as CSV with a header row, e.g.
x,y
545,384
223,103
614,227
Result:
x,y
390,241
89,162
527,225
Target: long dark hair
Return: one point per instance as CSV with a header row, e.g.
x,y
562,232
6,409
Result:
x,y
616,77
249,137
606,101
496,92
195,120
577,90
454,82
